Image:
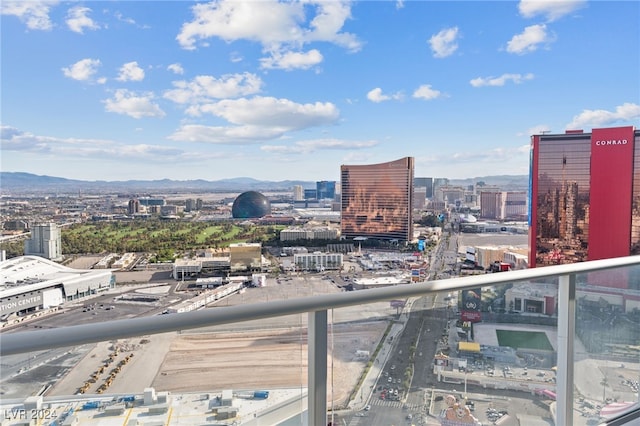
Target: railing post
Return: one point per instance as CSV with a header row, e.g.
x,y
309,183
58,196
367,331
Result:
x,y
317,370
566,336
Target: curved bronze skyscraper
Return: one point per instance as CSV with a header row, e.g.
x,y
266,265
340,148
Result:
x,y
377,200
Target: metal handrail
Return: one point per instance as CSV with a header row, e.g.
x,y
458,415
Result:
x,y
27,341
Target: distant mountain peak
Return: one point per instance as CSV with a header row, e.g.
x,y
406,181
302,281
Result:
x,y
20,182
32,183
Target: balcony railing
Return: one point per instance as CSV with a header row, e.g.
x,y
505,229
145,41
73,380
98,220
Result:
x,y
568,278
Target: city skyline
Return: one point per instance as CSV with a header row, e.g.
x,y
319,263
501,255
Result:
x,y
213,90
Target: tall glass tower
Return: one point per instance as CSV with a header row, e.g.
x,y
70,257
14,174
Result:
x,y
585,196
377,200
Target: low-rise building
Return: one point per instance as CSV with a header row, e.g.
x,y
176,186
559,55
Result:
x,y
316,233
317,261
380,281
32,283
125,261
532,298
186,268
245,257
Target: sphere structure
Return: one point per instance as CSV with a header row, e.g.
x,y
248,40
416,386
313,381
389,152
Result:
x,y
250,204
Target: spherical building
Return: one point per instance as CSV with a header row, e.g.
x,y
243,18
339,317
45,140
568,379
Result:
x,y
250,204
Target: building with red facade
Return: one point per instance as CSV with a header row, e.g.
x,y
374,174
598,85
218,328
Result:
x,y
377,200
585,197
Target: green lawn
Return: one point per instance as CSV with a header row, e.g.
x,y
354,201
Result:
x,y
154,235
207,232
524,339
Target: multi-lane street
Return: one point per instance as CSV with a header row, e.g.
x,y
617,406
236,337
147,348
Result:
x,y
409,363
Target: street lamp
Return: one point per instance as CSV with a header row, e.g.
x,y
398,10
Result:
x,y
465,385
604,388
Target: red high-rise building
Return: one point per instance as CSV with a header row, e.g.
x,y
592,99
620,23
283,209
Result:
x,y
585,196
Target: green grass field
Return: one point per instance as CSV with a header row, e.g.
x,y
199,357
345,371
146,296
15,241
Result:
x,y
524,339
154,235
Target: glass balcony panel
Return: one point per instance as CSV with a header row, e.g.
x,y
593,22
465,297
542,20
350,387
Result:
x,y
607,344
487,354
478,355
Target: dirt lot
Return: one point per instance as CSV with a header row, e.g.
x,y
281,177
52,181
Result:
x,y
213,361
261,359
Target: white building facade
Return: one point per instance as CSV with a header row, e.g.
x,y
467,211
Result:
x,y
317,233
45,241
317,261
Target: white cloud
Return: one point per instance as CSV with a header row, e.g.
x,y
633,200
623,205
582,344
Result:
x,y
444,43
626,112
291,60
120,17
492,157
500,81
329,20
78,19
271,23
399,4
133,105
266,22
308,146
257,119
529,40
238,135
176,68
359,157
131,72
83,70
552,10
376,95
205,88
426,92
17,140
537,130
35,14
273,112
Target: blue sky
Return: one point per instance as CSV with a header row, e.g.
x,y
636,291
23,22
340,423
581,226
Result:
x,y
292,90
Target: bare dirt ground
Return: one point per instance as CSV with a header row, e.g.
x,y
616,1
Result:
x,y
84,262
213,361
261,359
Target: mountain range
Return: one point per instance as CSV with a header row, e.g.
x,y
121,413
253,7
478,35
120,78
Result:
x,y
18,182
